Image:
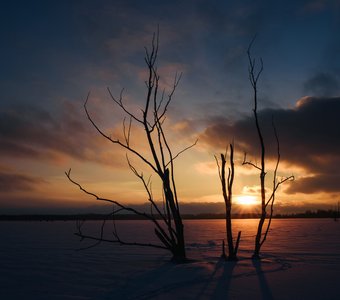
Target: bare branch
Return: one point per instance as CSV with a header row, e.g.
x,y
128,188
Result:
x,y
175,84
83,236
276,184
182,151
245,162
227,192
123,207
146,216
120,103
80,234
116,141
218,168
147,187
169,228
254,73
127,132
283,180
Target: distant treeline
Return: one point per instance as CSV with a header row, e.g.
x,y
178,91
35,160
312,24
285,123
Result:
x,y
57,217
311,214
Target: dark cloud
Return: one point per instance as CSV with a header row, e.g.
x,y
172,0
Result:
x,y
309,138
323,84
34,133
318,183
10,182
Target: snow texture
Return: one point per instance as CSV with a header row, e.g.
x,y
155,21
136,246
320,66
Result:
x,y
39,260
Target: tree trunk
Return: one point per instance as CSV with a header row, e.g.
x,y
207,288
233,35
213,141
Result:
x,y
227,186
258,239
231,250
258,244
179,253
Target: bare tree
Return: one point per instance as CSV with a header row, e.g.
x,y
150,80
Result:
x,y
166,217
227,191
266,203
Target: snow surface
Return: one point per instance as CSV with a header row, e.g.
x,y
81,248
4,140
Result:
x,y
301,260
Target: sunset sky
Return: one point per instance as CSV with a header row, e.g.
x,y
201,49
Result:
x,y
54,52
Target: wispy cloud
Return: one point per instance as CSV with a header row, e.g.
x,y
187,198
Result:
x,y
14,182
34,133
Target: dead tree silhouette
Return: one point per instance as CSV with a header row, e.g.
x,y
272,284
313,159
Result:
x,y
227,191
159,158
266,203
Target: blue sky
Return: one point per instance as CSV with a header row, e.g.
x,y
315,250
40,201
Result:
x,y
58,49
53,53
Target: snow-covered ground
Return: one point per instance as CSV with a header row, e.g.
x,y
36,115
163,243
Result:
x,y
38,260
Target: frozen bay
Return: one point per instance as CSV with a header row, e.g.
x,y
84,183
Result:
x,y
39,260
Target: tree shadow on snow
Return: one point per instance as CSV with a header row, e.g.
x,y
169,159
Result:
x,y
167,281
264,286
233,279
217,285
263,268
217,279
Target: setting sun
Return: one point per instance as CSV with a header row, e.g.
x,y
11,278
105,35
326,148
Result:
x,y
246,200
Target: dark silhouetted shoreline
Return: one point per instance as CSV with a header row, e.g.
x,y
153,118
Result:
x,y
203,216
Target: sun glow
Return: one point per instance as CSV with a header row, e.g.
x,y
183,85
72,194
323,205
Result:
x,y
246,200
